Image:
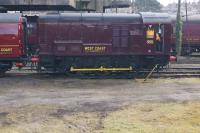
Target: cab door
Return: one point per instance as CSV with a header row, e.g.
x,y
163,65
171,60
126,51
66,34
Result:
x,y
159,39
155,37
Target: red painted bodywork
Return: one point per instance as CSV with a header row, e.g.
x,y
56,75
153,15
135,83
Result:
x,y
11,40
70,38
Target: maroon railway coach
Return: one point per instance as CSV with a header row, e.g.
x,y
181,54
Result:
x,y
12,40
103,42
191,34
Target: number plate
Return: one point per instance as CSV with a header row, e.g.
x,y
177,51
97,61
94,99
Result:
x,y
95,49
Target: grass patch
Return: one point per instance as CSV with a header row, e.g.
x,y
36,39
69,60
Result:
x,y
47,119
139,118
155,118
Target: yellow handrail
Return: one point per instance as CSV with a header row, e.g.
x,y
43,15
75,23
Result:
x,y
101,69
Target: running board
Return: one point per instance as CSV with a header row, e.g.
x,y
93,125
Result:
x,y
101,69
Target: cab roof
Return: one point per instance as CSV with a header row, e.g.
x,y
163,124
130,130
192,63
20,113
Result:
x,y
149,17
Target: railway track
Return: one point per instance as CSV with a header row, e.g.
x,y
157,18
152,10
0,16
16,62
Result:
x,y
176,74
177,71
174,71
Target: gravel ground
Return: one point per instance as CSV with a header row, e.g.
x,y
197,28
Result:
x,y
91,95
36,104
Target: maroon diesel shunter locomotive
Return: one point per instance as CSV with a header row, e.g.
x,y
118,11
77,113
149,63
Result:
x,y
103,42
12,40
